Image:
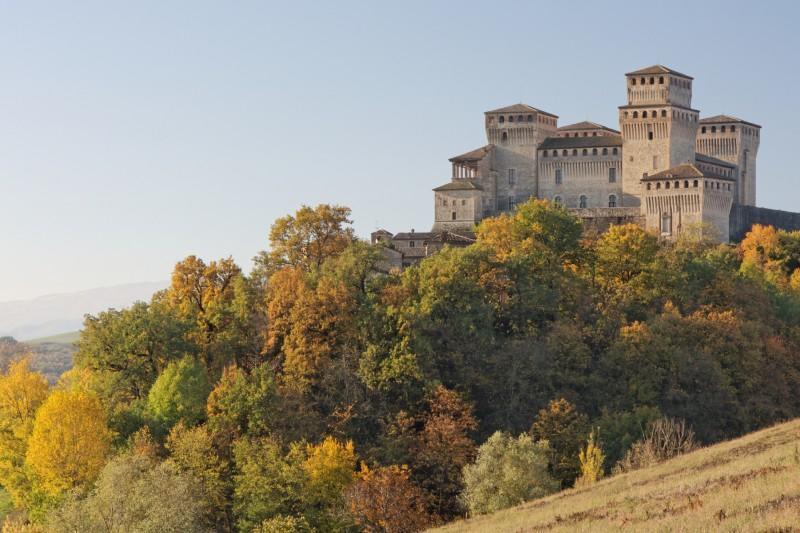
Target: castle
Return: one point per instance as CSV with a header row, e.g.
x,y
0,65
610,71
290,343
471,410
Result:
x,y
665,168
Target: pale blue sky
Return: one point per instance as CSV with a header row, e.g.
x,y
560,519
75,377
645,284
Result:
x,y
135,133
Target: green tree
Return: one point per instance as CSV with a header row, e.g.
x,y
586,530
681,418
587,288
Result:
x,y
564,428
179,394
507,472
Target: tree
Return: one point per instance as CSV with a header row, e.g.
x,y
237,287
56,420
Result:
x,y
507,472
384,500
564,428
69,442
442,448
179,394
21,393
134,493
591,458
329,468
306,239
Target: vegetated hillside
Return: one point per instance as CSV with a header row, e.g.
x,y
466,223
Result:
x,y
69,337
50,357
746,484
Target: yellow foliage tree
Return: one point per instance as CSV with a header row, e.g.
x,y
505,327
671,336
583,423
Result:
x,y
22,391
591,458
69,442
330,469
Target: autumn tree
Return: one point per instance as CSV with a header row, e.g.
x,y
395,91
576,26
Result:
x,y
565,429
179,394
385,500
21,393
307,238
69,442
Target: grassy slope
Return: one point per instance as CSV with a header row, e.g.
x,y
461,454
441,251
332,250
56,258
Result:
x,y
63,338
751,484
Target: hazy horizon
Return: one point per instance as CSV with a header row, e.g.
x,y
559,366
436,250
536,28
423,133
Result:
x,y
133,135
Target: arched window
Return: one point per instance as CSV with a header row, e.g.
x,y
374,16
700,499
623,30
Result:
x,y
612,199
713,129
666,185
565,153
633,81
635,114
530,118
519,118
625,114
648,186
642,81
574,152
663,113
594,151
511,118
703,129
557,200
585,151
666,224
661,80
555,153
677,184
502,119
695,184
722,129
582,201
733,128
504,137
658,185
652,81
614,151
644,114
686,184
605,151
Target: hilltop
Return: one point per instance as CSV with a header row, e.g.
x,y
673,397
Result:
x,y
750,483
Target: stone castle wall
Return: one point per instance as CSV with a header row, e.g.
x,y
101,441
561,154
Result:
x,y
743,217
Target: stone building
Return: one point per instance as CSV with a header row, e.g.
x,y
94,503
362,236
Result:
x,y
666,168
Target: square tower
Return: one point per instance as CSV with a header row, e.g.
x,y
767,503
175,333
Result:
x,y
658,126
736,141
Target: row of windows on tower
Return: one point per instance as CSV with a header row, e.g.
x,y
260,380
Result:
x,y
520,118
654,114
565,153
583,201
672,81
612,176
713,129
695,184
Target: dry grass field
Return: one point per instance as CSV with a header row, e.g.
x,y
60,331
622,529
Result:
x,y
748,484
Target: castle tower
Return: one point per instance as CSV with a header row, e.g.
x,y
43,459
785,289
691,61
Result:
x,y
658,126
736,141
515,131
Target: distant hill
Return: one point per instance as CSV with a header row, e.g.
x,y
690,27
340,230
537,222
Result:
x,y
58,313
747,484
50,358
62,338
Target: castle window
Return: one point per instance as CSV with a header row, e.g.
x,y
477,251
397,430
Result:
x,y
625,114
733,129
658,185
642,81
722,129
511,118
661,80
565,153
649,135
652,81
648,186
502,119
519,118
635,114
585,152
612,199
463,202
454,215
713,129
612,175
686,184
504,137
559,177
695,184
582,201
555,153
703,129
605,151
666,185
666,224
594,134
530,118
557,200
663,113
677,184
512,177
574,152
411,244
633,81
594,151
614,151
644,114
585,134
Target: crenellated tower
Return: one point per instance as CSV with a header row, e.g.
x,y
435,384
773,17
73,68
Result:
x,y
658,126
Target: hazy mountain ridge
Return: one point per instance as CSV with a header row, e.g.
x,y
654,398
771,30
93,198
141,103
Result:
x,y
58,313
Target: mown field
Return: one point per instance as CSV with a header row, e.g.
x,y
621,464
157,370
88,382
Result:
x,y
748,484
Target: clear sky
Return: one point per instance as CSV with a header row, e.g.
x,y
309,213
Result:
x,y
135,133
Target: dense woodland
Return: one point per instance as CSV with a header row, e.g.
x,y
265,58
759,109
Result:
x,y
317,394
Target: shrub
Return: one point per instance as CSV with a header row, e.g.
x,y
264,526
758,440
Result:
x,y
507,472
664,439
591,458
